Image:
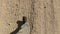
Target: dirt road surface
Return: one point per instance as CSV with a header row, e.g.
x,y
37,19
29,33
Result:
x,y
43,16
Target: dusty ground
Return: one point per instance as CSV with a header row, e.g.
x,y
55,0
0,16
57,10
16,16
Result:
x,y
43,15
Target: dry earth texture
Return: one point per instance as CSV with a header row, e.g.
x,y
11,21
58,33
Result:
x,y
43,16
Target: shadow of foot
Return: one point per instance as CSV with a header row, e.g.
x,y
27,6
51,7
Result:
x,y
20,23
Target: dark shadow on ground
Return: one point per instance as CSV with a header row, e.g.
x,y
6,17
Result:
x,y
20,23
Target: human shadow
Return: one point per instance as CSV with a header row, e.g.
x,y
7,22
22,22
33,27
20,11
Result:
x,y
20,23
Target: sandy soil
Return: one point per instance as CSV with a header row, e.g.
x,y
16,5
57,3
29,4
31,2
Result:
x,y
43,16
